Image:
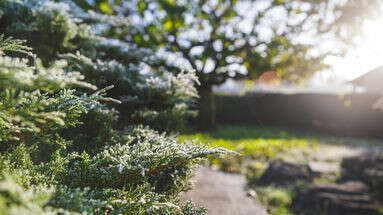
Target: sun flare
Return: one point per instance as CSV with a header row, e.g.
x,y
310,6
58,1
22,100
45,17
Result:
x,y
365,56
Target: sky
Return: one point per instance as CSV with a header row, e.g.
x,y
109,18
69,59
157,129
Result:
x,y
365,56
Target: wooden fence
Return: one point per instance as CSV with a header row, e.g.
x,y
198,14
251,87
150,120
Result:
x,y
347,115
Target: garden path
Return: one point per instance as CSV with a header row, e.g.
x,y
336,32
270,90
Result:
x,y
223,194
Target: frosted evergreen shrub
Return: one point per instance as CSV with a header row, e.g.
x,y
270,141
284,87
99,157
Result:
x,y
67,147
150,94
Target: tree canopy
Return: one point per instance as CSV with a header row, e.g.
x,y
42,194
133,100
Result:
x,y
236,38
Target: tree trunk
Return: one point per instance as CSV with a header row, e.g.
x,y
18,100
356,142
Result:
x,y
206,115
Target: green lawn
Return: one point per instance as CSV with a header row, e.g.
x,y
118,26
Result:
x,y
251,141
264,143
255,145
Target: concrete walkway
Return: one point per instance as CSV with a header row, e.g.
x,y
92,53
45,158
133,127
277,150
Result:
x,y
222,194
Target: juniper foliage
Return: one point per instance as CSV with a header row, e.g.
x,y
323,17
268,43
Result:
x,y
68,149
150,94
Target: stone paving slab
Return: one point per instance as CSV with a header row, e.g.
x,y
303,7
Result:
x,y
222,194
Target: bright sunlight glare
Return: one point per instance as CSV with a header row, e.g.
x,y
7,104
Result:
x,y
365,56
